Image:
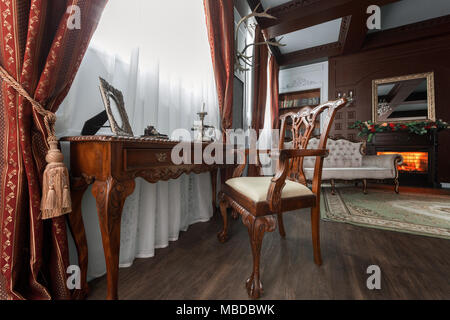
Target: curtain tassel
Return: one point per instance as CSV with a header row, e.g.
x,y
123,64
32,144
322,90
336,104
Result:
x,y
50,202
67,203
55,188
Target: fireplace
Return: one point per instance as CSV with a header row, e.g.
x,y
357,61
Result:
x,y
413,162
419,153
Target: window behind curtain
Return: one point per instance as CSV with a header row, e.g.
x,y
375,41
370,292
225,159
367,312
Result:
x,y
238,103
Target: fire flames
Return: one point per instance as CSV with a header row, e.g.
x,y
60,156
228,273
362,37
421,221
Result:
x,y
412,161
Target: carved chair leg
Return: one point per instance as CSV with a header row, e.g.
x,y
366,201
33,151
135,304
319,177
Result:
x,y
333,187
256,229
315,230
364,186
223,235
396,185
281,225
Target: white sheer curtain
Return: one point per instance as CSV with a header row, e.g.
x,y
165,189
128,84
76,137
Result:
x,y
157,53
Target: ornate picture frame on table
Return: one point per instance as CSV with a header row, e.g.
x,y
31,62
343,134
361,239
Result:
x,y
115,109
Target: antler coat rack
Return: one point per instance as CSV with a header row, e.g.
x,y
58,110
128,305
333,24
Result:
x,y
243,61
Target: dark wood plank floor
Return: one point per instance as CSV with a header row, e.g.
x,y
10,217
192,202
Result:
x,y
197,266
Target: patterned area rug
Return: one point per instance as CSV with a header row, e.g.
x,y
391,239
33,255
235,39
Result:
x,y
422,214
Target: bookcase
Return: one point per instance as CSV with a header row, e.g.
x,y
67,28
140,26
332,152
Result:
x,y
295,101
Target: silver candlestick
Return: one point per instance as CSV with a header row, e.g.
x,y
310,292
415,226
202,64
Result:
x,y
199,127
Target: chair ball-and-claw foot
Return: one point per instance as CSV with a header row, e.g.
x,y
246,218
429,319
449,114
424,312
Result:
x,y
222,236
254,287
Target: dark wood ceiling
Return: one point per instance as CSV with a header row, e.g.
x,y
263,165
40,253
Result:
x,y
301,14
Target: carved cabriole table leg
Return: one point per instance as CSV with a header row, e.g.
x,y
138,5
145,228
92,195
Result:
x,y
110,196
223,235
75,222
213,174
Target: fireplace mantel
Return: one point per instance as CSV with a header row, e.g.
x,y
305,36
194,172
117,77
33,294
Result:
x,y
409,142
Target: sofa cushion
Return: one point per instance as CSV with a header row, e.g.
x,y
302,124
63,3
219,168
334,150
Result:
x,y
352,173
256,188
343,154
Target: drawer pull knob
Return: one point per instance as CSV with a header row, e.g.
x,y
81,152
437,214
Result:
x,y
161,157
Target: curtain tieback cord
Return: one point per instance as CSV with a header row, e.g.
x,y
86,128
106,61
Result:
x,y
56,199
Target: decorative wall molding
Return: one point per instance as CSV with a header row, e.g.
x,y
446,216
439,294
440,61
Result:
x,y
300,83
305,78
286,7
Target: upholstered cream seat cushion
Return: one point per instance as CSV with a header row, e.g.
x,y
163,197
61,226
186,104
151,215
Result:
x,y
256,188
353,173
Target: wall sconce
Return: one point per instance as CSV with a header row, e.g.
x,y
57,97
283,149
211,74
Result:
x,y
351,94
339,94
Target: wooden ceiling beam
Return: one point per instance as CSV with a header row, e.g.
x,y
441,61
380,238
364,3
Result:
x,y
357,32
301,14
423,29
326,50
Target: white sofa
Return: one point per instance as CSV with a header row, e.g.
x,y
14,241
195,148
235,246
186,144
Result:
x,y
347,161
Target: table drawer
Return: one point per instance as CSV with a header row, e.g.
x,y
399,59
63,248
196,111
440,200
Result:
x,y
144,158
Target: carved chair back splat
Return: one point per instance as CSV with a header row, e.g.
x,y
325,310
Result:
x,y
302,126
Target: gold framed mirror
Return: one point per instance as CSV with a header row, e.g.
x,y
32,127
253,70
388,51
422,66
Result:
x,y
404,99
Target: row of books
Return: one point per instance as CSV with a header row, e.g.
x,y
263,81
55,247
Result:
x,y
299,102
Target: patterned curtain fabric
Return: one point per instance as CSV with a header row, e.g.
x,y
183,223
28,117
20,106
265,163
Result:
x,y
260,55
274,71
220,25
41,48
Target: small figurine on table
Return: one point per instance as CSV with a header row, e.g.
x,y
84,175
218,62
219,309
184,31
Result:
x,y
151,131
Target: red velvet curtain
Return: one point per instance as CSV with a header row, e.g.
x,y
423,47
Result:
x,y
220,25
274,71
42,50
260,56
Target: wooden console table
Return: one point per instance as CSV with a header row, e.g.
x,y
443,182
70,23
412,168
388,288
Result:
x,y
111,164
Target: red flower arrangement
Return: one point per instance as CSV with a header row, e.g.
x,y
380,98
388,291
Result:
x,y
369,129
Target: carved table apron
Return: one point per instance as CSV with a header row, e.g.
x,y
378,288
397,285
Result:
x,y
111,164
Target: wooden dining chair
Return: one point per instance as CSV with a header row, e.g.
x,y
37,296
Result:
x,y
259,199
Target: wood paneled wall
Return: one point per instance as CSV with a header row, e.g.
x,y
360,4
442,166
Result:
x,y
356,72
